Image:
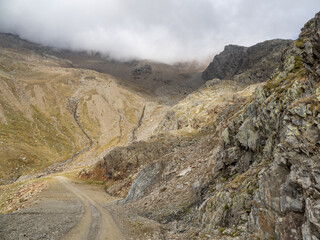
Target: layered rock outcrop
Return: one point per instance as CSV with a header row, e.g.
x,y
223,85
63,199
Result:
x,y
247,64
268,167
121,166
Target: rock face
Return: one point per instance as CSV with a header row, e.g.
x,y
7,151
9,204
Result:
x,y
141,71
247,64
121,165
144,180
268,167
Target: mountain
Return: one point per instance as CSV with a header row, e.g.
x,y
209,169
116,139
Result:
x,y
234,158
54,113
269,156
247,64
168,83
244,165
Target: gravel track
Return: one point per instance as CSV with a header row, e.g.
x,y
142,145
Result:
x,y
64,211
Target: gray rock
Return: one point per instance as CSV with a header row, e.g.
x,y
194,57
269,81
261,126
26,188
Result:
x,y
247,136
144,180
252,64
280,131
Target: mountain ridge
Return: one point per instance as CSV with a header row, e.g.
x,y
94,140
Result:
x,y
181,78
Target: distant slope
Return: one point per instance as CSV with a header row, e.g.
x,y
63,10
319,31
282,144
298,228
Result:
x,y
52,113
169,83
156,78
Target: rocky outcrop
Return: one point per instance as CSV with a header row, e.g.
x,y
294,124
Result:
x,y
122,166
266,180
140,71
144,180
199,111
247,64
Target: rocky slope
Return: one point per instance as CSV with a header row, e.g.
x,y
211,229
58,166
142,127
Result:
x,y
241,165
169,83
247,64
200,109
162,178
269,159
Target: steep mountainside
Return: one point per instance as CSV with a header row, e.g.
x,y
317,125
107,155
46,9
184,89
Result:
x,y
183,124
266,175
247,64
239,165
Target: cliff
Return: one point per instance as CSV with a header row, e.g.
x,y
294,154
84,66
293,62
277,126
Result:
x,y
269,158
247,64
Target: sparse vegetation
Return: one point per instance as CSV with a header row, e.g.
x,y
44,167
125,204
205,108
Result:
x,y
40,129
213,165
299,43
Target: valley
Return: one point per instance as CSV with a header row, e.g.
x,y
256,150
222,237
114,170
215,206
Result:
x,y
94,148
51,113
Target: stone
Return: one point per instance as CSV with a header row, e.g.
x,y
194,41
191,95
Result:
x,y
225,136
247,136
184,172
143,181
252,64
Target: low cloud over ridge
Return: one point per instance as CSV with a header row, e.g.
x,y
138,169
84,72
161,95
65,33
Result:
x,y
166,30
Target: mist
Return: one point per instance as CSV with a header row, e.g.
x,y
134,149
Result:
x,y
167,30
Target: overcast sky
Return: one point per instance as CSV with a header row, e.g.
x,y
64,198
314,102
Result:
x,y
163,30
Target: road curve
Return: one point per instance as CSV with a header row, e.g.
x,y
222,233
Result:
x,y
96,222
64,210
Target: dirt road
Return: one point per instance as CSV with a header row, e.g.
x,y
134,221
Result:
x,y
64,211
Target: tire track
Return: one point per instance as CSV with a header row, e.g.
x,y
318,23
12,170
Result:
x,y
96,222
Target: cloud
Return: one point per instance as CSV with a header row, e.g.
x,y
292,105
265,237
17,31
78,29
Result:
x,y
166,30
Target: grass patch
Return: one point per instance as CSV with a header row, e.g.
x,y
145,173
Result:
x,y
299,43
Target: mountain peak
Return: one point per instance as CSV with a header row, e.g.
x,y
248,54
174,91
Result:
x,y
247,64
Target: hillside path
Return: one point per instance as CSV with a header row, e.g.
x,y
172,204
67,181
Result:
x,y
64,211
